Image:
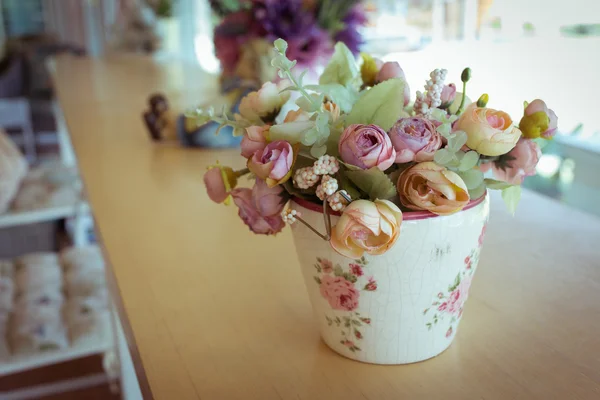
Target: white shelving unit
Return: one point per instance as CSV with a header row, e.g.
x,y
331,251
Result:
x,y
22,363
42,215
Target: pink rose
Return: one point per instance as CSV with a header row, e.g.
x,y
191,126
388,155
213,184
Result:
x,y
415,139
341,294
260,207
371,285
348,343
517,164
449,332
326,266
448,94
219,181
482,235
538,121
391,70
255,139
356,269
366,146
458,297
274,163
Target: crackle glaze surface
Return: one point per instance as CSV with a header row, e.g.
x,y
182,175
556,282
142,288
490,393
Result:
x,y
400,307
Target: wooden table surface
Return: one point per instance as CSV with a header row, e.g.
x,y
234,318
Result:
x,y
220,313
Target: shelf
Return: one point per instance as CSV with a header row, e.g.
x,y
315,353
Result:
x,y
23,363
42,215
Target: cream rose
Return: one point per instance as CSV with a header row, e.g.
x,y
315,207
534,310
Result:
x,y
366,226
429,186
489,132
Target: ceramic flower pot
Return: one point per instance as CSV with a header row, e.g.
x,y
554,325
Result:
x,y
400,307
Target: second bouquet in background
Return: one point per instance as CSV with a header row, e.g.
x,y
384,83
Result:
x,y
247,29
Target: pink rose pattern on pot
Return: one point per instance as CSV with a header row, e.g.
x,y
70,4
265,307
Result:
x,y
451,303
342,291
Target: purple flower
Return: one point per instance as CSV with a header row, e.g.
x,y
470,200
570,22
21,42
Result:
x,y
310,47
350,35
282,19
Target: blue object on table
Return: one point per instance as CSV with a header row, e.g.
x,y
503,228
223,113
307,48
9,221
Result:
x,y
205,136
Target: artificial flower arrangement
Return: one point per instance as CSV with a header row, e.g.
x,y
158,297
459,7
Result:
x,y
311,27
355,146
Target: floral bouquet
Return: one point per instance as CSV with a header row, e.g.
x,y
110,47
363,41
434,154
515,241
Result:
x,y
352,152
311,27
354,146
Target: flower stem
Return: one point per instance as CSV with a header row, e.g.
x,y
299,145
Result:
x,y
462,101
313,229
241,172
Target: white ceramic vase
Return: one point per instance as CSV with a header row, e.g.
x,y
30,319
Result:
x,y
400,307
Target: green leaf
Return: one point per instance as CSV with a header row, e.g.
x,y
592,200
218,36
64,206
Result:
x,y
293,132
541,142
373,182
498,185
343,96
457,140
337,271
511,196
454,285
356,322
342,67
310,106
473,178
443,157
381,105
468,161
316,278
477,192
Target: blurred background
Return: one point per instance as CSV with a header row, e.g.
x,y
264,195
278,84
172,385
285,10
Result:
x,y
518,50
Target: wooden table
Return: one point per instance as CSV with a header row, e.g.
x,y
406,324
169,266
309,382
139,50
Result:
x,y
219,313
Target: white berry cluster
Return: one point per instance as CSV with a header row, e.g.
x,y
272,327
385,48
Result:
x,y
435,85
289,216
328,186
326,165
425,102
305,178
337,202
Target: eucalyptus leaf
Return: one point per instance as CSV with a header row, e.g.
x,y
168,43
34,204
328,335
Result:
x,y
443,156
381,105
468,161
342,67
511,196
458,140
498,185
310,106
472,178
477,192
318,151
373,182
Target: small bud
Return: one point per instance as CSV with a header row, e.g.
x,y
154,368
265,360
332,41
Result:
x,y
483,100
281,45
466,75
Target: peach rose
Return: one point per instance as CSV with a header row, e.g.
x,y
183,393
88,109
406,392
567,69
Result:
x,y
339,293
429,186
297,115
489,132
264,105
219,181
255,139
366,226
